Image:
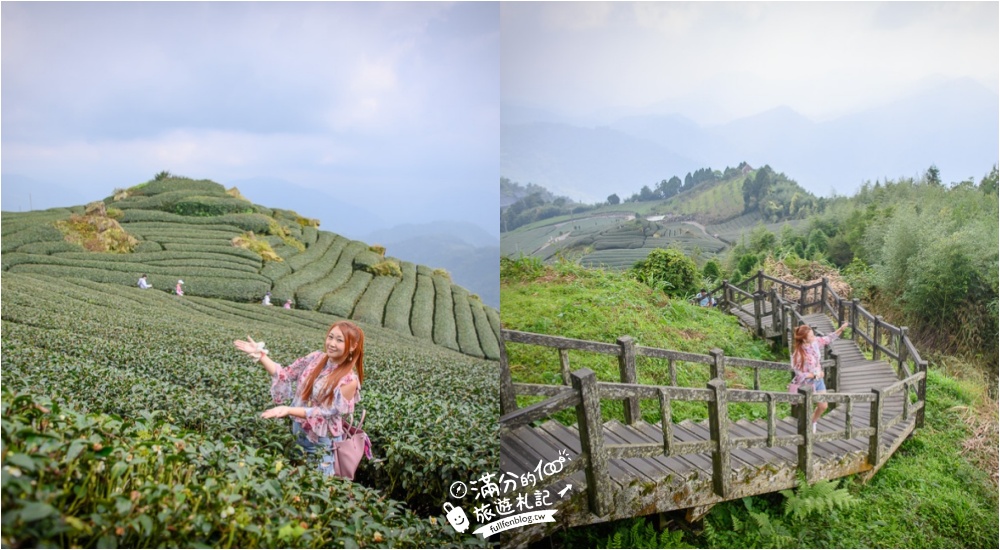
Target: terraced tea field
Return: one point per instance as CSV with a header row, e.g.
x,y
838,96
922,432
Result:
x,y
185,231
130,420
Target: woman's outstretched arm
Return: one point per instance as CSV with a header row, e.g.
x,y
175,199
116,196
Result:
x,y
256,350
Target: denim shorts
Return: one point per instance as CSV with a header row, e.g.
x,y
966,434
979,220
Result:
x,y
320,453
817,383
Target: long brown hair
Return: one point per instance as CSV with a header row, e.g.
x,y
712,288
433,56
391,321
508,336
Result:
x,y
354,345
801,334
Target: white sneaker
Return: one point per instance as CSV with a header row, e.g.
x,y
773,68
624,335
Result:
x,y
814,427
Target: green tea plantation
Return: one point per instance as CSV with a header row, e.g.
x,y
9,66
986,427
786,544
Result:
x,y
130,420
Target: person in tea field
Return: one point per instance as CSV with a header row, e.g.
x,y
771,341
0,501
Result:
x,y
267,299
178,289
806,357
143,283
322,386
288,304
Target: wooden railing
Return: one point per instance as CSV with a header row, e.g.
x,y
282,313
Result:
x,y
586,393
787,303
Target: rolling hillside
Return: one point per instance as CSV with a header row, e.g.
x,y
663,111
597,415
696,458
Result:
x,y
703,221
185,230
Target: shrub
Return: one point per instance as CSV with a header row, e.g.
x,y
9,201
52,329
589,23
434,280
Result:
x,y
339,256
51,247
147,246
261,247
444,314
484,331
443,273
712,270
212,206
422,314
97,233
465,327
378,249
366,259
372,305
397,309
668,270
174,183
313,253
386,268
341,301
524,268
32,234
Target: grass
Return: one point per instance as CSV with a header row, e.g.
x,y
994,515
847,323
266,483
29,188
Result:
x,y
937,491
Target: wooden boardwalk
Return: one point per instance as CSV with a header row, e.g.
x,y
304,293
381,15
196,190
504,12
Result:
x,y
625,469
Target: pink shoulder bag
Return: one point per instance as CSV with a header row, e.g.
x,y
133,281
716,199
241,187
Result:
x,y
349,451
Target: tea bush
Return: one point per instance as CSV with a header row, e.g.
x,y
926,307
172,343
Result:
x,y
341,301
204,187
444,313
422,314
371,305
156,360
487,338
310,296
212,206
33,234
315,252
468,340
397,310
51,247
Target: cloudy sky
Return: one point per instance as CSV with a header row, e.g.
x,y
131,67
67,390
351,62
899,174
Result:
x,y
391,107
716,61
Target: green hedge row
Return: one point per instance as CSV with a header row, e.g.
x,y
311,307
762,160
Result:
x,y
182,227
140,257
425,270
189,269
12,222
313,253
397,309
213,248
339,256
32,234
494,318
341,301
366,259
161,201
372,304
227,287
203,187
210,241
465,326
275,270
50,247
147,246
309,235
484,331
257,223
212,206
171,234
221,264
444,314
422,314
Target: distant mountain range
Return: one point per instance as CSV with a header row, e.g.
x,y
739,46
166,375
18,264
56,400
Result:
x,y
953,125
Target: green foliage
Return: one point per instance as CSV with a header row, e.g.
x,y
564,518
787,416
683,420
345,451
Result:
x,y
371,305
258,246
641,534
822,497
397,309
712,270
468,340
668,270
43,233
521,269
191,431
341,302
444,313
422,314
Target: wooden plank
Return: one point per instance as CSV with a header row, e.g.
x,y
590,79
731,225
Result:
x,y
783,453
615,433
704,461
637,435
571,440
682,464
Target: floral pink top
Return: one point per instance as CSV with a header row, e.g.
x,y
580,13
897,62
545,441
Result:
x,y
812,356
319,421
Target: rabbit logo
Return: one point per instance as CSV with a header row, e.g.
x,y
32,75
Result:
x,y
456,517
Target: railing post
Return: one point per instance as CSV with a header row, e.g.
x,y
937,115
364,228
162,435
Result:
x,y
921,393
855,304
805,430
901,347
591,426
877,338
626,366
823,294
718,422
786,329
803,292
834,377
760,280
840,312
757,314
718,368
874,442
775,311
508,400
564,366
725,293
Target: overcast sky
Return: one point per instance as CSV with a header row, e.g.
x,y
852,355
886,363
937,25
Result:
x,y
391,106
716,61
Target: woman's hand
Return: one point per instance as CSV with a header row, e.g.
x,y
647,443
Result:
x,y
277,412
842,327
254,349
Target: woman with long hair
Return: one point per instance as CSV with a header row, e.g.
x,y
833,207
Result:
x,y
807,355
322,386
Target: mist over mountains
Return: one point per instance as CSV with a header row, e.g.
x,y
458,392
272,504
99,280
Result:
x,y
953,125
